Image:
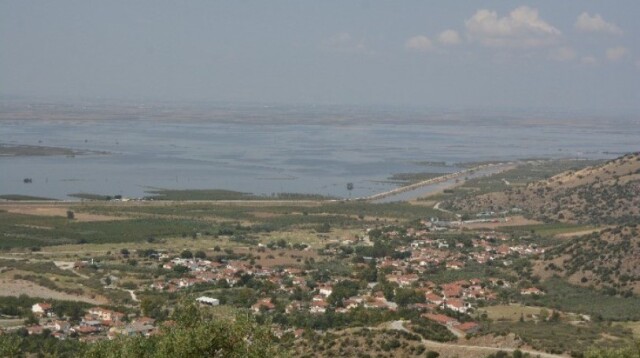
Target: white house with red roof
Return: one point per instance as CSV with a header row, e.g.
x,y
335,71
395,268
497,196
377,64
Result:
x,y
531,291
42,309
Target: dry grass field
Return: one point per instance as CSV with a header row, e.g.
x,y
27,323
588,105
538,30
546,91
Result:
x,y
16,288
57,209
511,312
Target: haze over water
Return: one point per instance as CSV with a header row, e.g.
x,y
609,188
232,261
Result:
x,y
275,152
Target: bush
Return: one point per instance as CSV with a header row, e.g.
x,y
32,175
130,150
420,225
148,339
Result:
x,y
433,354
632,351
196,334
129,285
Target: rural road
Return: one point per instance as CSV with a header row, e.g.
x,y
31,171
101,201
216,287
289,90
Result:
x,y
133,295
399,326
437,207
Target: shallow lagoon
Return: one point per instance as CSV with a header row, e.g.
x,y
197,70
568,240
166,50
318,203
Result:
x,y
265,159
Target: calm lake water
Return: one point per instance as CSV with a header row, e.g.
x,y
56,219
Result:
x,y
265,159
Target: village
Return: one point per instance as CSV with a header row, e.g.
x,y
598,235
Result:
x,y
390,268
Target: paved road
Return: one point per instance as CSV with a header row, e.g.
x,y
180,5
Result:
x,y
444,178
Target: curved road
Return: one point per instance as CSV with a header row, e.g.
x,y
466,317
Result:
x,y
399,326
133,295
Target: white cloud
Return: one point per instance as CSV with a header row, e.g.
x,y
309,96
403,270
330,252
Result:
x,y
419,43
616,53
449,37
521,28
562,54
344,42
595,23
589,61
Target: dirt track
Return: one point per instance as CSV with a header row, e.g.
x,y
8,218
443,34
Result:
x,y
452,349
19,287
513,221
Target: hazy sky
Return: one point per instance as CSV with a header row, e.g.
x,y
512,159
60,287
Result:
x,y
572,54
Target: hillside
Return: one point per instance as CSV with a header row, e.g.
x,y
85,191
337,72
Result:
x,y
604,194
608,260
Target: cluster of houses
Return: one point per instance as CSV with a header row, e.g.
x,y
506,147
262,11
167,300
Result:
x,y
319,303
97,323
426,252
206,271
459,297
423,251
489,246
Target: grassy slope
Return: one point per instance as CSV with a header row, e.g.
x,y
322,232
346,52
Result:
x,y
603,194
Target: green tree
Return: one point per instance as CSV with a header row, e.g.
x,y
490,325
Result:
x,y
631,351
181,269
196,334
153,307
31,320
343,290
370,273
10,346
407,296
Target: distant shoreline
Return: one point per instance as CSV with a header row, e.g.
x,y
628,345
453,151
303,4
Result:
x,y
440,179
24,150
221,195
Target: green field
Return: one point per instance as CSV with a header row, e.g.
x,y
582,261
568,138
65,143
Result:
x,y
511,313
218,194
29,231
185,220
565,297
87,196
560,337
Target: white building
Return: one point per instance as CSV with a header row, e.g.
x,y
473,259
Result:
x,y
208,301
